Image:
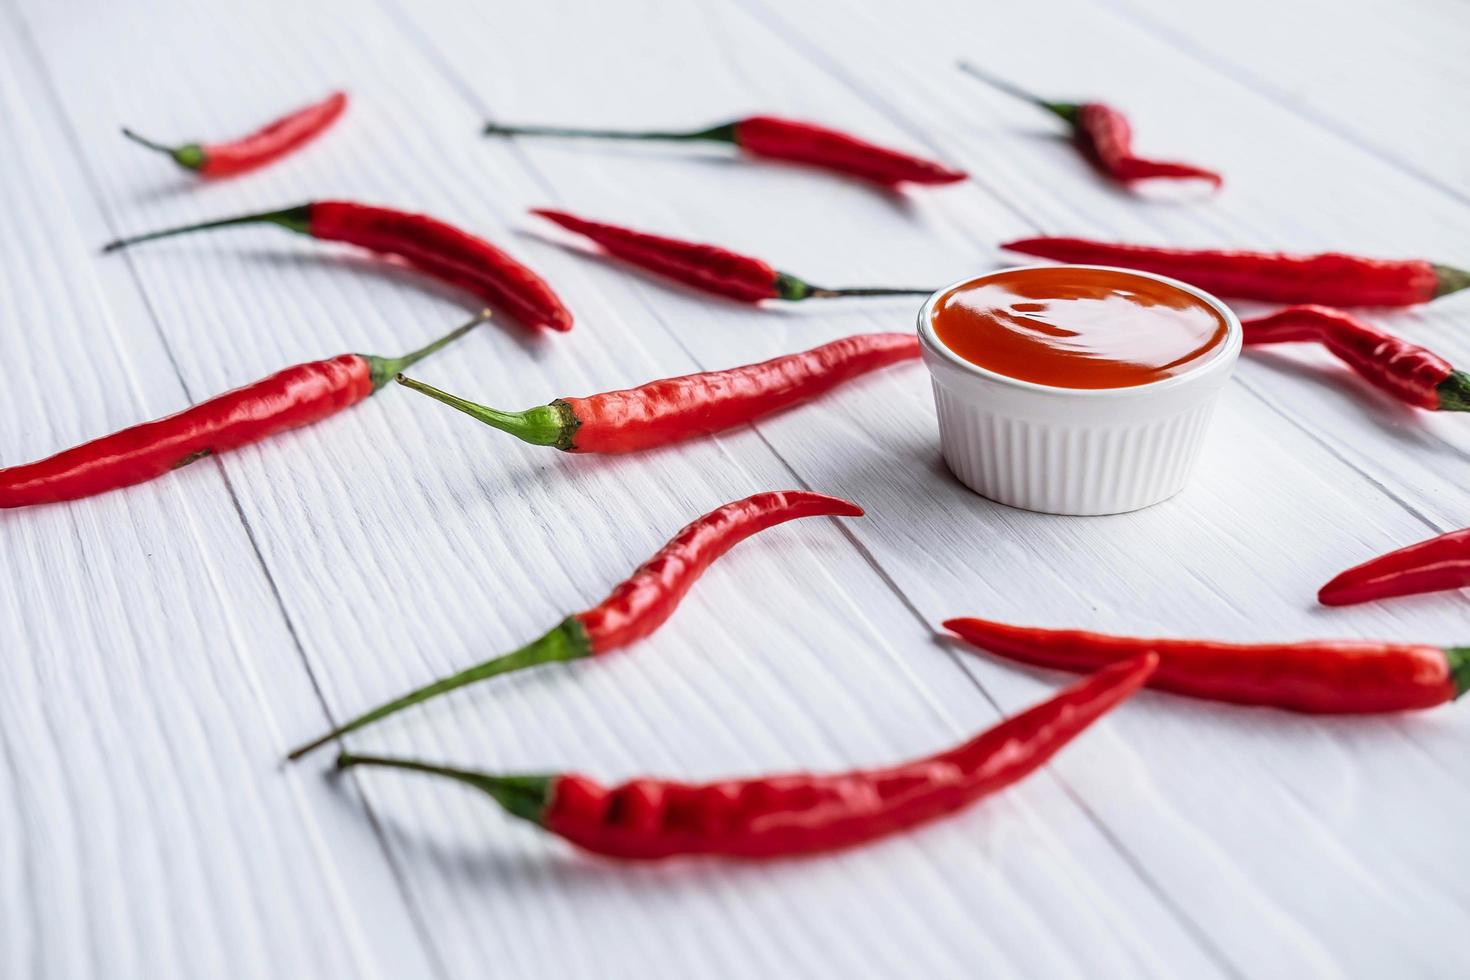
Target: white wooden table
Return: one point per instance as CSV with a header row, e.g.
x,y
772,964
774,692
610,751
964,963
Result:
x,y
163,645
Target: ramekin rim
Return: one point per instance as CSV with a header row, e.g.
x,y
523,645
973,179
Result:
x,y
1230,346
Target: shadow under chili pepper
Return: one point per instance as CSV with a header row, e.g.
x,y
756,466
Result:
x,y
772,307
177,185
1162,192
714,155
1395,419
394,271
623,267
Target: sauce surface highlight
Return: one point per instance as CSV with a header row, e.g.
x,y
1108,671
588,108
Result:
x,y
1078,328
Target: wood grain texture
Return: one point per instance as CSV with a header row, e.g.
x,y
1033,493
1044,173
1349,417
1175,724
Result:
x,y
335,566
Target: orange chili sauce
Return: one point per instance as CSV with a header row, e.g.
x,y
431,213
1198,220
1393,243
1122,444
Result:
x,y
1078,328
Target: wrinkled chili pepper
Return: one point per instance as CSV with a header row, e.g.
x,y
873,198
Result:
x,y
1330,278
796,813
1104,136
666,411
638,605
429,245
1316,676
782,139
269,143
1412,374
1437,565
288,399
706,267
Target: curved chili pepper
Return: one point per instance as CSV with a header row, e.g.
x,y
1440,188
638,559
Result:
x,y
783,139
707,267
1410,373
1330,278
1437,565
288,399
638,605
269,143
1316,676
662,412
798,813
1104,136
429,245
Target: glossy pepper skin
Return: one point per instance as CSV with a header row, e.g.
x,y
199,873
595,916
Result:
x,y
428,244
799,142
799,813
265,145
1328,278
638,605
1410,373
288,399
1316,676
673,409
705,267
783,139
1104,136
1438,565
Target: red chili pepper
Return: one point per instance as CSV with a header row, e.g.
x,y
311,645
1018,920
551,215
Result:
x,y
1410,373
638,605
662,412
797,813
263,146
1316,676
429,245
1436,565
1104,136
288,399
706,267
783,139
1279,277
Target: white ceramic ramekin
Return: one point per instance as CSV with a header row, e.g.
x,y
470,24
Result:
x,y
1074,450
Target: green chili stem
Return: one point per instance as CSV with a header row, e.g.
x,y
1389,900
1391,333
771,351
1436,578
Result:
x,y
1448,280
1454,392
789,287
383,369
525,796
1459,661
544,425
818,292
143,140
1067,110
296,219
567,641
723,133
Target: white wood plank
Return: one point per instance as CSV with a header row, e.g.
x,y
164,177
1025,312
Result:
x,y
1387,77
148,673
1180,840
396,546
1212,562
